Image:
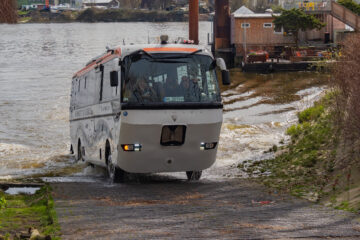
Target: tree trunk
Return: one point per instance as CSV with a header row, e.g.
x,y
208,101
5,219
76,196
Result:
x,y
8,11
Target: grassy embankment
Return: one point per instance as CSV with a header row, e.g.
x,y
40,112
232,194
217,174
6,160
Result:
x,y
306,167
20,212
322,160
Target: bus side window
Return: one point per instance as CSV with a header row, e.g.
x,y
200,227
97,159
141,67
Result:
x,y
108,92
73,94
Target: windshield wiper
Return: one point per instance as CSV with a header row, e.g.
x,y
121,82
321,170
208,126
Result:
x,y
179,56
166,60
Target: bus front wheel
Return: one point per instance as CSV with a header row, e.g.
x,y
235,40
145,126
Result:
x,y
193,175
115,174
79,152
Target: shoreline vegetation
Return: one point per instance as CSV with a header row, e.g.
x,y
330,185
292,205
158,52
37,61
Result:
x,y
322,161
25,216
92,15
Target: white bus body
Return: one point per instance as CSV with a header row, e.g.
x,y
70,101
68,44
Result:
x,y
115,124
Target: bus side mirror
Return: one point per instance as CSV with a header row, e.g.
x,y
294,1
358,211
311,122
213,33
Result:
x,y
225,77
114,79
224,72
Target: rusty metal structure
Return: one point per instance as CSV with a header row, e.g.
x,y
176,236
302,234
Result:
x,y
8,11
222,24
194,20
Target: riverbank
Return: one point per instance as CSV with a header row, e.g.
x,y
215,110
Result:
x,y
108,15
23,216
310,165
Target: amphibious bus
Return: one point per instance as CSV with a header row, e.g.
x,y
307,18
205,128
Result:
x,y
148,109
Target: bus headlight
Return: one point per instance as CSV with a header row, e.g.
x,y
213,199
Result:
x,y
131,147
207,146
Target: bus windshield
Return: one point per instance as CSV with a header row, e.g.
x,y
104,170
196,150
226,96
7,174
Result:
x,y
166,78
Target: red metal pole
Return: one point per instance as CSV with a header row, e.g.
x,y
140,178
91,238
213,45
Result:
x,y
194,20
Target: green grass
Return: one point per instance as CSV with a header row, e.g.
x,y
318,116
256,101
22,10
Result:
x,y
25,211
21,13
304,165
346,206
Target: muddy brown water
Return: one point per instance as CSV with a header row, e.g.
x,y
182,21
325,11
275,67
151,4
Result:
x,y
37,62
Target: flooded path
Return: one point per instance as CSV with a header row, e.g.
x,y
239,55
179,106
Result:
x,y
36,65
169,208
37,62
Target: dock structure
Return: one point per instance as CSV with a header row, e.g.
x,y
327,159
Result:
x,y
237,34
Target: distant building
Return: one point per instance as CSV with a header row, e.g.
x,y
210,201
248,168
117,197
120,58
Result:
x,y
255,31
101,3
36,6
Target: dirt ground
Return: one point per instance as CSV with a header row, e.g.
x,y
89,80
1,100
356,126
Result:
x,y
164,207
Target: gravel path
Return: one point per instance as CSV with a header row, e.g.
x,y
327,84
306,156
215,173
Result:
x,y
162,207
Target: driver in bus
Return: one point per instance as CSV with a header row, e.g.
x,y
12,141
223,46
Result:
x,y
190,89
143,92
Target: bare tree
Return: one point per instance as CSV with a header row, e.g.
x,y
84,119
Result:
x,y
346,78
8,11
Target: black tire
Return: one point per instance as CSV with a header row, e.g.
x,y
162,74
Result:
x,y
79,152
193,175
115,174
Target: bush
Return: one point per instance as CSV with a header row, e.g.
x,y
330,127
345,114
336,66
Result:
x,y
3,203
311,114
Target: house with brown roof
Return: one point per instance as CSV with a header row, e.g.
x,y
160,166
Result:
x,y
255,31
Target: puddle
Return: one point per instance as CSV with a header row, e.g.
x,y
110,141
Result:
x,y
23,190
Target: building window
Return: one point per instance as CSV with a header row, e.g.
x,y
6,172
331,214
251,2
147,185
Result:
x,y
245,25
267,25
278,30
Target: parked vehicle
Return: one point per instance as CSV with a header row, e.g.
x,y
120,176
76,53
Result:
x,y
148,108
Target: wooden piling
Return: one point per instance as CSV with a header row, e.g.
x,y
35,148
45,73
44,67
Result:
x,y
194,20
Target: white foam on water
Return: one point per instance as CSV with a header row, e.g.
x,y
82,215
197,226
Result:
x,y
10,149
70,179
22,190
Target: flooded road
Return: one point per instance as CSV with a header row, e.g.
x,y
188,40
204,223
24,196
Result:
x,y
37,62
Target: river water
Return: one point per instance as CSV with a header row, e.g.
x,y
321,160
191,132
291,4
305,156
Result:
x,y
37,62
